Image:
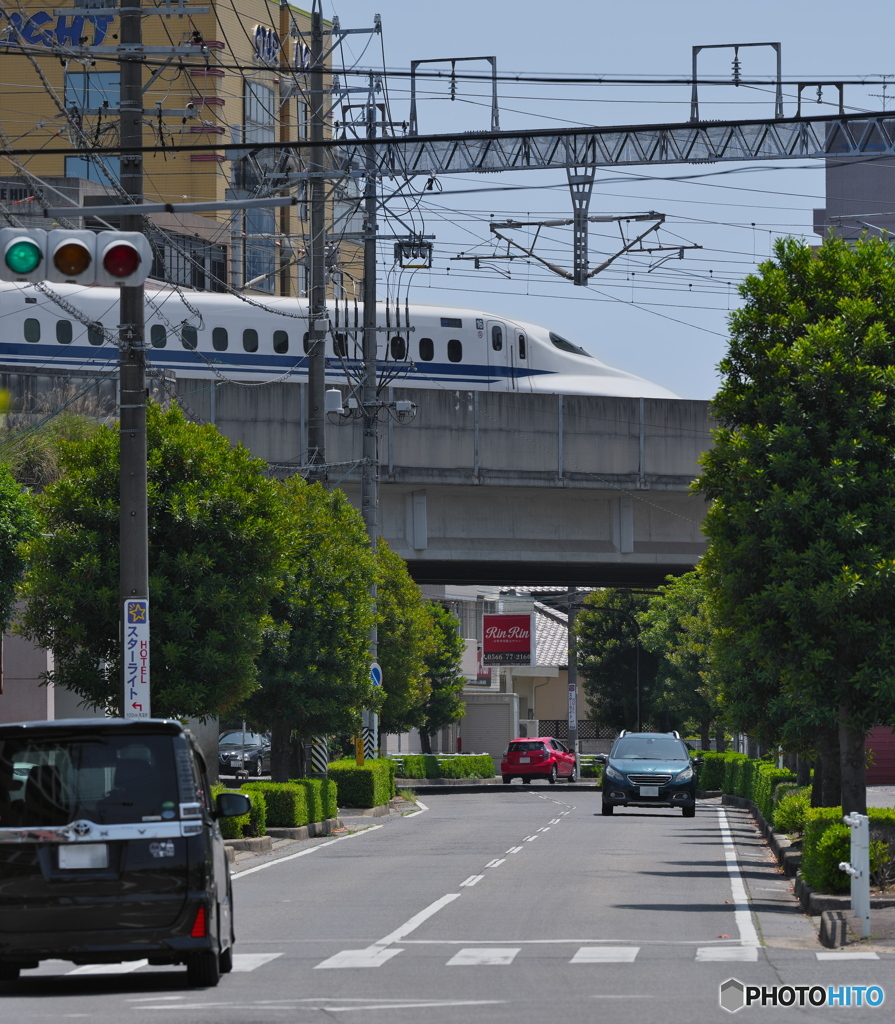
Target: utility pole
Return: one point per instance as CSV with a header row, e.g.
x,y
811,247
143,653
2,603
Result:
x,y
573,609
133,518
318,311
369,396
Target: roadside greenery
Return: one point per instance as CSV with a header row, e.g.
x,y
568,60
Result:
x,y
801,528
442,666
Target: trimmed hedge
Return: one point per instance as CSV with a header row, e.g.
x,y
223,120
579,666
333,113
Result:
x,y
246,825
369,785
322,797
711,774
791,809
430,766
287,803
766,778
824,845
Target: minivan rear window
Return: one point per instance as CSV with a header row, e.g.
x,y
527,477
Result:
x,y
107,779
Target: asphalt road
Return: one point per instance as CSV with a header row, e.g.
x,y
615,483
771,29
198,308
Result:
x,y
495,907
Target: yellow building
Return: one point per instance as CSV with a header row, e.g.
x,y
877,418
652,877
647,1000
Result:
x,y
238,75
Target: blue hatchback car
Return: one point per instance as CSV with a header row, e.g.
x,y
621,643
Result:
x,y
649,769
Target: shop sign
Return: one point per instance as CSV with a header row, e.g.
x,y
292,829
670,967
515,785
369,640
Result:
x,y
508,640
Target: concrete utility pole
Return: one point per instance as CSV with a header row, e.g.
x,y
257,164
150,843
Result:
x,y
318,312
133,519
573,609
369,396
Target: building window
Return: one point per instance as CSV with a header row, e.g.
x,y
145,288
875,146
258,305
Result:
x,y
250,339
32,329
63,332
158,336
92,98
427,349
260,249
455,350
219,339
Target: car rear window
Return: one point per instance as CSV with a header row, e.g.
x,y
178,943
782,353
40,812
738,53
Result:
x,y
522,745
654,748
108,779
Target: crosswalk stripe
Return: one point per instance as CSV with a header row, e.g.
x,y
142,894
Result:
x,y
125,968
374,956
845,955
492,956
708,954
245,962
605,955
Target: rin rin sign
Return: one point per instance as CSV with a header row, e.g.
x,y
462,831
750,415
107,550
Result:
x,y
508,640
136,658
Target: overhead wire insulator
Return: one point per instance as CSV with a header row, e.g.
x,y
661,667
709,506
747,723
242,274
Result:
x,y
736,66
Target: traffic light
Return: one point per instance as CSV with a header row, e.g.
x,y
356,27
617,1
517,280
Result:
x,y
82,257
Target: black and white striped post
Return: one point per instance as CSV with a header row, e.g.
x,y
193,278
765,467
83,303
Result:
x,y
319,755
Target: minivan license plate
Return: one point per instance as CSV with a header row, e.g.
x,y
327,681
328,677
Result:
x,y
649,790
83,856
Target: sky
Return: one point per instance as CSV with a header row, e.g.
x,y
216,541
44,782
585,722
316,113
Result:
x,y
665,321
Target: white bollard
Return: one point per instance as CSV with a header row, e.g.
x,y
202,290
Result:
x,y
859,869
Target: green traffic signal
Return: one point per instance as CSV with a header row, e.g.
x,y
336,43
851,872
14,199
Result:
x,y
23,256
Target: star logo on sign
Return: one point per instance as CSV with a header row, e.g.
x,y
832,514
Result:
x,y
136,612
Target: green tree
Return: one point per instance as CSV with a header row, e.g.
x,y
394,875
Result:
x,y
443,705
405,641
215,549
619,676
675,628
18,524
315,665
801,563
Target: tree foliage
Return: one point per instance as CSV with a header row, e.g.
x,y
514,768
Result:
x,y
619,676
18,523
215,548
801,564
443,704
405,642
315,665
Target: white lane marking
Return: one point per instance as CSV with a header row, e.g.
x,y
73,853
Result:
x,y
553,821
411,924
152,999
605,955
496,862
371,957
529,839
245,962
493,956
472,880
742,914
304,853
422,808
413,1006
710,954
866,955
546,828
126,968
514,849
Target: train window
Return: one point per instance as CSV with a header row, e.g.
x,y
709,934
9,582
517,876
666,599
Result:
x,y
189,337
219,339
280,342
427,349
451,321
250,339
95,334
158,336
340,345
455,350
63,332
32,329
399,347
522,346
496,337
567,346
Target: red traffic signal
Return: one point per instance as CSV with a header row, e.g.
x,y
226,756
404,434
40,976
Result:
x,y
122,258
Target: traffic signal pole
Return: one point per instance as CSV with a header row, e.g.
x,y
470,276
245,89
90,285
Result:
x,y
133,517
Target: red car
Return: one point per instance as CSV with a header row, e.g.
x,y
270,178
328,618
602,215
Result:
x,y
541,757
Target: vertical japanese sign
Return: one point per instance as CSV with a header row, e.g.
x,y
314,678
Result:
x,y
573,706
508,640
136,658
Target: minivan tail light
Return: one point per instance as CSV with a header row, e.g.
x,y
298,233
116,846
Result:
x,y
199,930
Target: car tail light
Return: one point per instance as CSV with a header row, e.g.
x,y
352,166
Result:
x,y
199,930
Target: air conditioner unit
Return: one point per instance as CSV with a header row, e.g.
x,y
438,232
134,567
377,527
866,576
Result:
x,y
529,727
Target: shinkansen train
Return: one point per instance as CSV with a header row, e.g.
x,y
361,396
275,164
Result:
x,y
223,336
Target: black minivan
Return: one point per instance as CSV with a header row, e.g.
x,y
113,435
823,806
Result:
x,y
110,848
